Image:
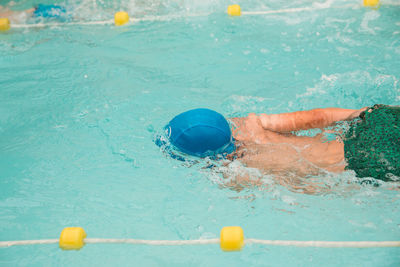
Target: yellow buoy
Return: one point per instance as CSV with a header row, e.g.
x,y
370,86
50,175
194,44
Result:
x,y
121,18
371,3
234,10
4,24
232,238
72,238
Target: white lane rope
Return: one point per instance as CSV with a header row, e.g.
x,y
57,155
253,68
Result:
x,y
4,244
153,242
58,24
318,244
325,244
312,8
298,9
105,22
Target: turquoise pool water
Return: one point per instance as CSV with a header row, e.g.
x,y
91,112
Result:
x,y
80,106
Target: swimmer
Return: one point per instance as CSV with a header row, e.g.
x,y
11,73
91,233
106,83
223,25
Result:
x,y
40,11
16,16
267,142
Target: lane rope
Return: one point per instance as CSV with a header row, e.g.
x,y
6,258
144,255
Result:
x,y
298,9
319,244
172,17
105,22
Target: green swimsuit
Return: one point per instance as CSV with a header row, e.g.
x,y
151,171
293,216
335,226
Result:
x,y
372,144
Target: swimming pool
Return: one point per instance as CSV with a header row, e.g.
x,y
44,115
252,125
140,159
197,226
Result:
x,y
80,106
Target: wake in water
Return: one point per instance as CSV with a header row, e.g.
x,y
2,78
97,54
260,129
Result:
x,y
236,176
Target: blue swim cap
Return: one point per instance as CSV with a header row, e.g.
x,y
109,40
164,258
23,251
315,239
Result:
x,y
200,132
49,11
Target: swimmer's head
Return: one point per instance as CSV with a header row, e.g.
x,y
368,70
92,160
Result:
x,y
200,132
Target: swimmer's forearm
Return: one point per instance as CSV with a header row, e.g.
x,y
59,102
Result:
x,y
303,120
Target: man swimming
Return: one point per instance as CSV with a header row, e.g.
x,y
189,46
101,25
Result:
x,y
39,11
370,147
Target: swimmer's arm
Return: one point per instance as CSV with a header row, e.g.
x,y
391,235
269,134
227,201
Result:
x,y
303,120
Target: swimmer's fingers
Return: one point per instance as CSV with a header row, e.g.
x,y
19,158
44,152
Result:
x,y
376,106
364,110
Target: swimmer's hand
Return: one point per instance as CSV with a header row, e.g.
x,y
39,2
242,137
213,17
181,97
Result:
x,y
359,113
